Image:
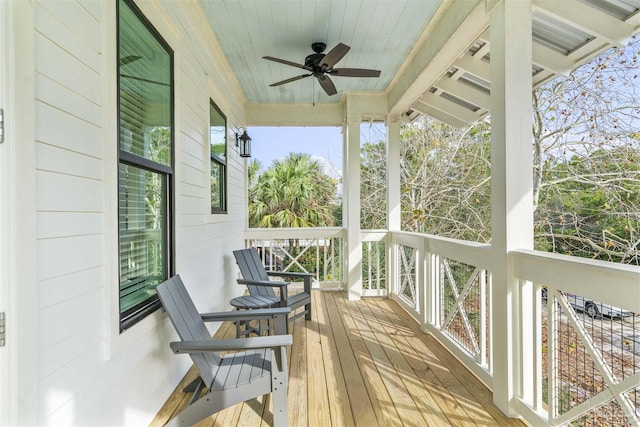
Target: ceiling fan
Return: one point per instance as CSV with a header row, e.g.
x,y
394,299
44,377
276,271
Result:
x,y
320,66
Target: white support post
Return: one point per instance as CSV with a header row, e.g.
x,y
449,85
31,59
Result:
x,y
19,389
511,187
433,284
393,173
352,206
393,197
422,286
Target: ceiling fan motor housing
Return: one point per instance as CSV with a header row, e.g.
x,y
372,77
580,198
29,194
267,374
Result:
x,y
313,61
320,65
318,47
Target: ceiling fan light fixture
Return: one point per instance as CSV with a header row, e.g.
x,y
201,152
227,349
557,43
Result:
x,y
320,66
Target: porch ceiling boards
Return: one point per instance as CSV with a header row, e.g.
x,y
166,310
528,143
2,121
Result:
x,y
363,363
381,34
434,55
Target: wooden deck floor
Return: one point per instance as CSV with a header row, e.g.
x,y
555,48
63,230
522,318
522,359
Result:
x,y
363,363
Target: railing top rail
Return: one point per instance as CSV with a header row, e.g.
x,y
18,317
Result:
x,y
435,238
373,235
294,233
472,253
607,282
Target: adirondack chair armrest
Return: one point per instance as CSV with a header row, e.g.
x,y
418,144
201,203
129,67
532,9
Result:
x,y
271,283
264,313
274,342
295,275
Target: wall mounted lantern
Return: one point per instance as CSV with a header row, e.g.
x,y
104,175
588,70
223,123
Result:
x,y
244,143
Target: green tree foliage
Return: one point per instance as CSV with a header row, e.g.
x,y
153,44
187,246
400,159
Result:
x,y
445,180
294,192
586,159
586,166
373,185
590,206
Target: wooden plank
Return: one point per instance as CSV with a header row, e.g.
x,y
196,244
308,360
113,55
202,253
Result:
x,y
465,402
317,397
297,392
412,349
339,403
338,356
424,408
177,401
375,365
364,412
252,412
478,402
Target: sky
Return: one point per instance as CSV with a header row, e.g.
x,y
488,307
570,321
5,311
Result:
x,y
272,143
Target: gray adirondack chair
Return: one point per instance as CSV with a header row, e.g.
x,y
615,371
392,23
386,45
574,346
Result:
x,y
256,277
260,368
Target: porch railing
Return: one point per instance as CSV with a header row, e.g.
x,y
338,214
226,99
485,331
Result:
x,y
583,366
445,284
310,250
577,330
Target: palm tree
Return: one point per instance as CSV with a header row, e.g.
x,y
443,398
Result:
x,y
293,192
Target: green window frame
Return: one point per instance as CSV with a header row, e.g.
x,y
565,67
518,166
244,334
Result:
x,y
145,163
218,150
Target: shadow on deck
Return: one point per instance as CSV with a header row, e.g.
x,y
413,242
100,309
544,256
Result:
x,y
362,363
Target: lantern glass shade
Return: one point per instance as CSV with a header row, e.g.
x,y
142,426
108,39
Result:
x,y
244,142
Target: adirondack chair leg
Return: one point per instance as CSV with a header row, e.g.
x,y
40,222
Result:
x,y
279,386
307,289
193,385
197,411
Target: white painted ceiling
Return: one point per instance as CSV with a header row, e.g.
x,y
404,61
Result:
x,y
381,34
385,34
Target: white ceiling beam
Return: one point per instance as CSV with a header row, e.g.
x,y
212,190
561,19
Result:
x,y
294,114
588,19
440,115
464,91
449,107
458,26
552,60
477,67
366,104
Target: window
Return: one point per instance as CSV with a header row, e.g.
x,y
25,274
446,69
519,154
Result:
x,y
218,141
145,169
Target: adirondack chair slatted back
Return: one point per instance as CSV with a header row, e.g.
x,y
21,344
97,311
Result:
x,y
188,324
251,268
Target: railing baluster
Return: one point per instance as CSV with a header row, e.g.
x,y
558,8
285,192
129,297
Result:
x,y
482,278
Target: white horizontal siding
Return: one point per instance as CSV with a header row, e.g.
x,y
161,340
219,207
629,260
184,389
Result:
x,y
62,129
54,291
62,161
66,69
59,257
79,381
74,104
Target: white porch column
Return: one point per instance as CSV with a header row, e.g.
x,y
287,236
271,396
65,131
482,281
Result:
x,y
351,201
393,173
18,287
511,183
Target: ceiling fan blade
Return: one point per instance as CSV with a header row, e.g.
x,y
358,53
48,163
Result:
x,y
292,79
354,72
334,55
285,62
327,85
